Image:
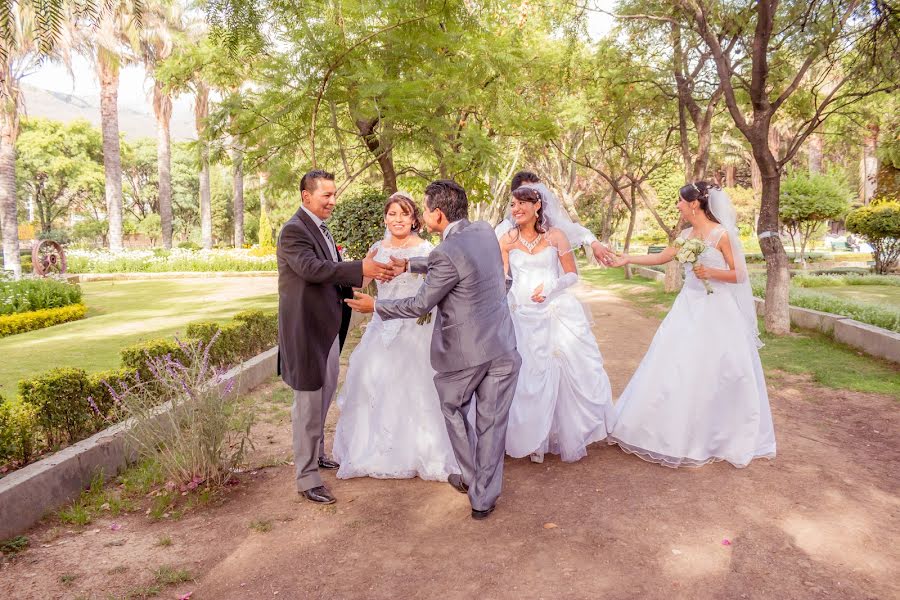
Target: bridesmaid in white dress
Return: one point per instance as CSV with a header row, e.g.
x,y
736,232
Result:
x,y
391,425
563,399
699,394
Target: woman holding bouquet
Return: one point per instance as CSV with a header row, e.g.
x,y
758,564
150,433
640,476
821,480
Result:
x,y
699,394
391,425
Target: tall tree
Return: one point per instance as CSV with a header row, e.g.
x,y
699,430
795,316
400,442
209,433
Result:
x,y
852,48
110,45
201,113
158,39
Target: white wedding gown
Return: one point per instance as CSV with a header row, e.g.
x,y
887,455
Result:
x,y
563,399
699,394
391,425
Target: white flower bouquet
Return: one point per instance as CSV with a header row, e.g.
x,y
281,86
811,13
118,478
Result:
x,y
689,251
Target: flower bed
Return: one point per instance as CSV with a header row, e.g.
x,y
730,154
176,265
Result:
x,y
176,260
32,294
39,319
64,405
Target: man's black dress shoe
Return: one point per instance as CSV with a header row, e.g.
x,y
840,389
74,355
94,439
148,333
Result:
x,y
319,495
327,463
458,484
482,514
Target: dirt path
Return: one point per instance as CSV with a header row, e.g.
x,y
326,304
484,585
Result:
x,y
821,521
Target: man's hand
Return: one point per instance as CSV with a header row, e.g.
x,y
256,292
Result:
x,y
362,303
376,270
400,265
604,255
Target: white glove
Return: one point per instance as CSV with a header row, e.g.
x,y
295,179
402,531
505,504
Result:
x,y
557,287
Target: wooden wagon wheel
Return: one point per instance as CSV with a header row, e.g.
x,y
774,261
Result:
x,y
48,257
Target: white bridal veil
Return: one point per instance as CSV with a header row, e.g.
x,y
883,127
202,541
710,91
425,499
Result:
x,y
723,210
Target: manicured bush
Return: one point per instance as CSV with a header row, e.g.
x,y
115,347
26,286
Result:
x,y
29,294
879,224
102,386
60,398
135,357
39,319
841,279
757,257
248,334
358,222
66,405
18,431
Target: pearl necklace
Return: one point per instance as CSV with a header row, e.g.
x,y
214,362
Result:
x,y
533,243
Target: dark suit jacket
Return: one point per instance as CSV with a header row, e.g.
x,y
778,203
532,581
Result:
x,y
311,310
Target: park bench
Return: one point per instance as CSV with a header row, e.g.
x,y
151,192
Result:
x,y
655,249
840,247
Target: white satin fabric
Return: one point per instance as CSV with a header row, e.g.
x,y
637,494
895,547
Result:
x,y
699,394
391,425
563,399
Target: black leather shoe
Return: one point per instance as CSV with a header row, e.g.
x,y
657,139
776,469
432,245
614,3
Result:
x,y
319,495
482,514
327,463
458,484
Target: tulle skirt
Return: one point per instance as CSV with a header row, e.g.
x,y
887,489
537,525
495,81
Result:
x,y
699,394
563,399
391,425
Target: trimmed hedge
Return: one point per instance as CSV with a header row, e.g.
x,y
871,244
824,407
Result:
x,y
61,406
60,397
18,431
39,319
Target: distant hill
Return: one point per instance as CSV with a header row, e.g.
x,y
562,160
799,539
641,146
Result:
x,y
133,123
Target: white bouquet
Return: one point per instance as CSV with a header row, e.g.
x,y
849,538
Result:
x,y
689,251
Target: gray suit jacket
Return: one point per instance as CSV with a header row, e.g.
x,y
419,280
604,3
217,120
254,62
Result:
x,y
464,278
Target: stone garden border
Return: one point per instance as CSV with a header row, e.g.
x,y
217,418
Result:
x,y
875,341
29,493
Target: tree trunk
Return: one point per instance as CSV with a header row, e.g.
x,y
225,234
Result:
x,y
238,204
816,149
380,148
755,178
112,160
632,216
730,175
9,221
201,111
162,106
868,166
777,317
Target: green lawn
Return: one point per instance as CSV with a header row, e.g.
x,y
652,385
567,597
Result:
x,y
829,363
887,296
121,313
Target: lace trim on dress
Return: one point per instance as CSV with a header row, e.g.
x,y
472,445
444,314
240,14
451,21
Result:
x,y
674,463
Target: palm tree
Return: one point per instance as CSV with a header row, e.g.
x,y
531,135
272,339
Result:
x,y
9,130
113,44
17,58
201,114
157,45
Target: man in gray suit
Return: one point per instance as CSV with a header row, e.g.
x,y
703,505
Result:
x,y
473,347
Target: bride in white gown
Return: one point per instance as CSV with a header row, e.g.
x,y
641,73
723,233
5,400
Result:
x,y
699,394
391,425
563,399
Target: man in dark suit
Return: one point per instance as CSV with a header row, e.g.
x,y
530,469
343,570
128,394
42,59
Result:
x,y
313,320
